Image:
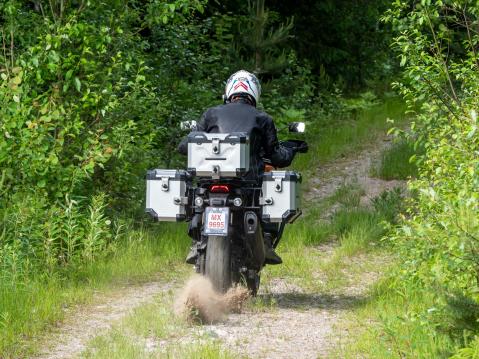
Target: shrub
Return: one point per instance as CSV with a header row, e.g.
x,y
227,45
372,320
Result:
x,y
438,241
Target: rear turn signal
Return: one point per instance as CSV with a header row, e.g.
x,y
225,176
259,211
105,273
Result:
x,y
220,188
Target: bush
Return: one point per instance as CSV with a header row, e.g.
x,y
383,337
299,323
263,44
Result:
x,y
439,239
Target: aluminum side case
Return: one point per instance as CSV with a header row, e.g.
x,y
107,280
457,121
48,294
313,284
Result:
x,y
281,199
218,155
166,195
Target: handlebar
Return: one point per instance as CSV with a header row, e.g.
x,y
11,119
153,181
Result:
x,y
297,146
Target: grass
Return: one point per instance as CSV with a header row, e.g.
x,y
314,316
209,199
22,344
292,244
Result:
x,y
33,302
388,326
154,323
333,138
395,162
351,230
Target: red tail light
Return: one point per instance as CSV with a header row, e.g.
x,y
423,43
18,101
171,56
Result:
x,y
220,188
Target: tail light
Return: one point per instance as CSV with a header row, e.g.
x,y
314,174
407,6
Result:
x,y
220,188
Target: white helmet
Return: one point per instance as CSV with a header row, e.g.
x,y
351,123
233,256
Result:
x,y
243,82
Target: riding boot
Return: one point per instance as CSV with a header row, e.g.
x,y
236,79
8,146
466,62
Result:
x,y
192,255
270,255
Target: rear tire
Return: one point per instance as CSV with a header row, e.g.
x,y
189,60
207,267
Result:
x,y
253,284
218,262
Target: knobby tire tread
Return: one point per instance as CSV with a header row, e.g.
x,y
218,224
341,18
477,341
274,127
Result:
x,y
218,262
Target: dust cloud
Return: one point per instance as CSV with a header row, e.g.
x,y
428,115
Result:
x,y
199,303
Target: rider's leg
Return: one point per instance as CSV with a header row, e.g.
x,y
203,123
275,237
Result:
x,y
270,232
193,232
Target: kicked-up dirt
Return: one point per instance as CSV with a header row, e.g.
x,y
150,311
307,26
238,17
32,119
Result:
x,y
199,303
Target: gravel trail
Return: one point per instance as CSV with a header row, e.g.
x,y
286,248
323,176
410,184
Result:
x,y
87,322
302,324
352,169
299,325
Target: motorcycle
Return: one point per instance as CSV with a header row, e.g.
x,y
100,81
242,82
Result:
x,y
227,214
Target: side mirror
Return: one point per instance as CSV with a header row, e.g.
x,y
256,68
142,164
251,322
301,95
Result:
x,y
297,127
188,125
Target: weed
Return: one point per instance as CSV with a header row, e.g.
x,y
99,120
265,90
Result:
x,y
139,255
389,204
142,334
97,229
395,162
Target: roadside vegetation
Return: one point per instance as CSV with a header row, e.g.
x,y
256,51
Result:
x,y
397,162
427,307
92,94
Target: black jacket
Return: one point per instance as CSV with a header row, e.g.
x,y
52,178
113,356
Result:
x,y
242,117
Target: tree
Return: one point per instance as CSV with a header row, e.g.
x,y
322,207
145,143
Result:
x,y
261,40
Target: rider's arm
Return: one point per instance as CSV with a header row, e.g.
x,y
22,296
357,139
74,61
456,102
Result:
x,y
201,126
280,156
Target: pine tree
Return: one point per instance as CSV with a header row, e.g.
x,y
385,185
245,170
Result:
x,y
261,39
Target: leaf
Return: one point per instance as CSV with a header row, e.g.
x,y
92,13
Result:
x,y
53,159
90,166
77,84
69,74
472,132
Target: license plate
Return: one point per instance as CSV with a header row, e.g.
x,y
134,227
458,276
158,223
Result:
x,y
217,220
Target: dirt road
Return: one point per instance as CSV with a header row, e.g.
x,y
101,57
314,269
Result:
x,y
289,322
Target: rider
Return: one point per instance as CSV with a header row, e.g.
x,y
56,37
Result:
x,y
239,114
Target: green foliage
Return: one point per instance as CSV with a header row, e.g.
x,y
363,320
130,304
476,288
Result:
x,y
61,107
344,38
395,162
91,95
438,240
260,41
389,204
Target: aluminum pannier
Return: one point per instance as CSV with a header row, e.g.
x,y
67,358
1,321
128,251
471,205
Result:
x,y
218,155
281,196
166,194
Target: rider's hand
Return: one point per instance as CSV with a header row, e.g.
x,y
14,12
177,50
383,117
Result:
x,y
296,145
